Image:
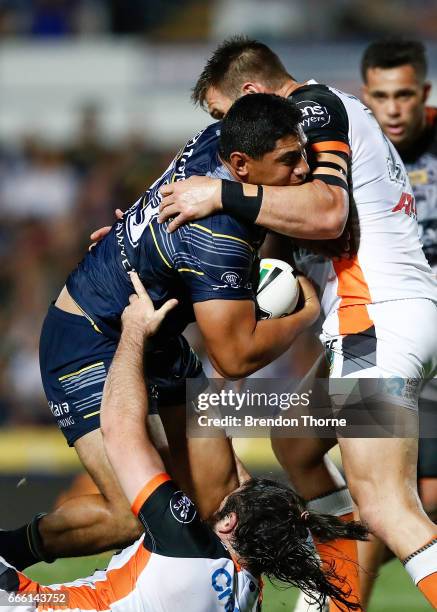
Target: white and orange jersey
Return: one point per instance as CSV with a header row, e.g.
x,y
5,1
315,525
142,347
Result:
x,y
178,564
389,263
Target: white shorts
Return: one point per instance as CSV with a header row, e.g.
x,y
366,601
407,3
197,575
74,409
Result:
x,y
400,346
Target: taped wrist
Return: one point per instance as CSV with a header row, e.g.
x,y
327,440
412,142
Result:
x,y
235,203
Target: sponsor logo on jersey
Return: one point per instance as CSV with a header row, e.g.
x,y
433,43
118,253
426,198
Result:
x,y
183,156
138,218
222,583
231,278
119,235
406,204
67,422
59,409
182,508
313,114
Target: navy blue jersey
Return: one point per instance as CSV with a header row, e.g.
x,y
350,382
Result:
x,y
207,260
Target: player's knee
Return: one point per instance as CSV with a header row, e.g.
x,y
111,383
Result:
x,y
296,456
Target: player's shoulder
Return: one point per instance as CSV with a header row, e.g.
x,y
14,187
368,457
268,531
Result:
x,y
431,123
223,229
200,153
431,116
315,96
324,115
173,527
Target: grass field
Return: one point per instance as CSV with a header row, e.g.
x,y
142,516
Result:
x,y
394,591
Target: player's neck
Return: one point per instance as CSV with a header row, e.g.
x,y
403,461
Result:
x,y
227,541
288,87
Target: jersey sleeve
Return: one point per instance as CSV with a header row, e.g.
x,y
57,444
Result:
x,y
324,119
171,522
215,259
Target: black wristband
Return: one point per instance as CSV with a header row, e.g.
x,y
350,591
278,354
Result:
x,y
235,203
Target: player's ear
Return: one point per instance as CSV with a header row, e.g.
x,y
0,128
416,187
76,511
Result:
x,y
239,164
228,523
250,87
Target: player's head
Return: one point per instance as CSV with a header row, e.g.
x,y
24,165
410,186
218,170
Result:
x,y
268,528
262,142
395,87
238,66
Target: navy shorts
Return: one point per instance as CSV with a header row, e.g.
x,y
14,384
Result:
x,y
74,362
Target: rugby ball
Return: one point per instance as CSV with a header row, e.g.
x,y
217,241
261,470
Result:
x,y
278,289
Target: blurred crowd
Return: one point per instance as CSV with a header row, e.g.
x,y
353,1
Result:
x,y
50,199
205,19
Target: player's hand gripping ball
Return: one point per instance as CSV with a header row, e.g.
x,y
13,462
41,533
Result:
x,y
278,289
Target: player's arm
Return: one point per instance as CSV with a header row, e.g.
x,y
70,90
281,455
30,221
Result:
x,y
315,210
238,344
124,410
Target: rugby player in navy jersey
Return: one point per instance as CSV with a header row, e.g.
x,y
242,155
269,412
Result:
x,y
207,267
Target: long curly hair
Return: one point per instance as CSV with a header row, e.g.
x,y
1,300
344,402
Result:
x,y
273,537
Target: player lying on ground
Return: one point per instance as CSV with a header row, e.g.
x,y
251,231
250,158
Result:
x,y
181,562
208,268
367,298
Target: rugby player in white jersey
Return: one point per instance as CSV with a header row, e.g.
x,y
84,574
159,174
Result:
x,y
395,88
180,562
368,298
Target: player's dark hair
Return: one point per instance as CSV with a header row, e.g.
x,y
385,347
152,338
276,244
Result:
x,y
237,60
255,122
394,52
272,537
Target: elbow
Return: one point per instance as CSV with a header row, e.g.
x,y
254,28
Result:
x,y
332,223
333,227
111,439
232,368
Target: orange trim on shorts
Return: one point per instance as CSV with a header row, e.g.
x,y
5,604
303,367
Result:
x,y
117,584
354,293
331,145
147,491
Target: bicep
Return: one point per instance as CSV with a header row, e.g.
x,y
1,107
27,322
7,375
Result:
x,y
224,325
